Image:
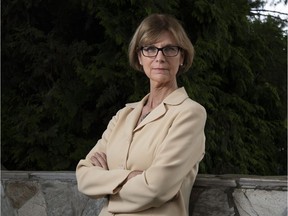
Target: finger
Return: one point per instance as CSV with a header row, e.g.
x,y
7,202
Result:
x,y
101,157
105,165
95,161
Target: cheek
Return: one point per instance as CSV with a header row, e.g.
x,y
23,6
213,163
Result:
x,y
146,63
146,67
177,62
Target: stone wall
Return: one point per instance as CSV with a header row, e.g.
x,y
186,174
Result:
x,y
56,194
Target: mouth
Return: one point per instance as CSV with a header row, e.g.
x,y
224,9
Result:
x,y
160,69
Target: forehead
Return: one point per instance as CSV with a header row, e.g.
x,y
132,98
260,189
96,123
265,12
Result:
x,y
163,38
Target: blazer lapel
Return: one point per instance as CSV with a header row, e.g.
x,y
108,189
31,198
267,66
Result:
x,y
155,114
175,98
133,117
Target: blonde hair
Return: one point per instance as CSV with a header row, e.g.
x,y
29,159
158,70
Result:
x,y
149,31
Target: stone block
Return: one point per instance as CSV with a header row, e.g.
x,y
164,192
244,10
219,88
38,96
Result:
x,y
34,206
63,198
213,202
252,202
20,192
6,207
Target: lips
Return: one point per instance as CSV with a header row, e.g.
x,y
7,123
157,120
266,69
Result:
x,y
160,68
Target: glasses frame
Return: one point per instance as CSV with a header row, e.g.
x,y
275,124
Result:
x,y
160,49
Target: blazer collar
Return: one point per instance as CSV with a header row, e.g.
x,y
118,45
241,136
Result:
x,y
175,98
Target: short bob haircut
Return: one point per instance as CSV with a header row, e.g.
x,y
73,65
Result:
x,y
148,33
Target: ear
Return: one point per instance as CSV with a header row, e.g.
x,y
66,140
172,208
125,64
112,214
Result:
x,y
182,57
140,58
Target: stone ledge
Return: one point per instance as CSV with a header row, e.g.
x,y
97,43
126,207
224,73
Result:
x,y
202,180
243,181
38,175
55,193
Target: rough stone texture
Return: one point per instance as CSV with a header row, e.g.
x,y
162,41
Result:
x,y
214,199
35,205
19,192
6,207
56,194
252,202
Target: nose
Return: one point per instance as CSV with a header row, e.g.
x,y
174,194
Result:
x,y
160,56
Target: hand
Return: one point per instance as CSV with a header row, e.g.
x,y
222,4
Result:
x,y
133,174
99,159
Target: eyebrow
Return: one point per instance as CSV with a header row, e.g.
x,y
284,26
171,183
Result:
x,y
166,45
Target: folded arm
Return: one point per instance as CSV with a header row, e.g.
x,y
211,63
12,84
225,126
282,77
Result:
x,y
182,149
93,175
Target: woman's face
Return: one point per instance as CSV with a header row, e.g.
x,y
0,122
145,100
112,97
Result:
x,y
160,68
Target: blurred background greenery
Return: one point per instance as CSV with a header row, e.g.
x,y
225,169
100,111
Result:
x,y
65,73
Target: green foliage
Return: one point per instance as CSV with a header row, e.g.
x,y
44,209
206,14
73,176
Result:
x,y
65,73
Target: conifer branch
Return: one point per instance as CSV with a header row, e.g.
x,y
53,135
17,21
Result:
x,y
269,11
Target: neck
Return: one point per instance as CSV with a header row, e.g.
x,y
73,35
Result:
x,y
158,94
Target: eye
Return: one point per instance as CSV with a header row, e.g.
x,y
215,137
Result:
x,y
150,49
170,49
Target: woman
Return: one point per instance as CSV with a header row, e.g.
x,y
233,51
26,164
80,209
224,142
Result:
x,y
147,159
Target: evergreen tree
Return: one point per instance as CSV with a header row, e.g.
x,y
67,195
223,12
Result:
x,y
65,73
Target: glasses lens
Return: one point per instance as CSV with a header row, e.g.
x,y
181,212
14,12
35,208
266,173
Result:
x,y
170,51
149,51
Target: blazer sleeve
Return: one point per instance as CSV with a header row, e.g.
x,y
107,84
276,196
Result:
x,y
95,181
182,149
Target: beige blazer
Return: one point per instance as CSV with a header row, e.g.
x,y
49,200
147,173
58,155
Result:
x,y
168,145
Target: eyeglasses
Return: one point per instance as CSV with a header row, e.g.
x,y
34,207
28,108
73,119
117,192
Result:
x,y
168,51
